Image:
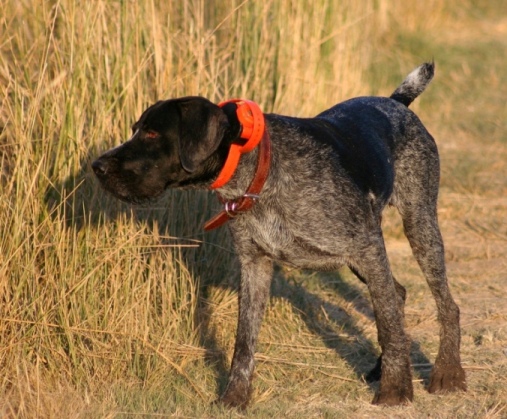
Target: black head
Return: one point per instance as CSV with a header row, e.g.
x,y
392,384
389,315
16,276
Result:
x,y
176,143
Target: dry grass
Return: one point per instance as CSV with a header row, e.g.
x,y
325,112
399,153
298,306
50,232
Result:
x,y
112,311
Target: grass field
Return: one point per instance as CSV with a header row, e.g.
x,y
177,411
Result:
x,y
113,311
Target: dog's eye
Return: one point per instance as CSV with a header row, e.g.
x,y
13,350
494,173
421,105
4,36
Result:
x,y
151,135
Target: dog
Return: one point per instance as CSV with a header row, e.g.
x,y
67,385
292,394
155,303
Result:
x,y
316,204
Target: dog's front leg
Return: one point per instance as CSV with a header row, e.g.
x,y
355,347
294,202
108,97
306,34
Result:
x,y
256,273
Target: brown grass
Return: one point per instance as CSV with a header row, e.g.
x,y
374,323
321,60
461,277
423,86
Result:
x,y
111,311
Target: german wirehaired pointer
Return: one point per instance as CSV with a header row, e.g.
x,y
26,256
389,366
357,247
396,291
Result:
x,y
309,193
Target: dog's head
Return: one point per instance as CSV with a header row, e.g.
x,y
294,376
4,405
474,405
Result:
x,y
176,143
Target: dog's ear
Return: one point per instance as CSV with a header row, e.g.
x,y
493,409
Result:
x,y
202,128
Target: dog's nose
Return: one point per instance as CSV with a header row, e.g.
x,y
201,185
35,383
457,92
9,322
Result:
x,y
99,167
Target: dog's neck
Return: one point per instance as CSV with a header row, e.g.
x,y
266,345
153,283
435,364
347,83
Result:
x,y
245,171
243,186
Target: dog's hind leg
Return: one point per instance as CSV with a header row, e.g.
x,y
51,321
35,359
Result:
x,y
256,274
372,266
424,236
416,192
376,373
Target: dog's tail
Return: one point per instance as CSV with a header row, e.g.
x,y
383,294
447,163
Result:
x,y
414,84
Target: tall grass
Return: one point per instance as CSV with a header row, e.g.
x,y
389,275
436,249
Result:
x,y
93,291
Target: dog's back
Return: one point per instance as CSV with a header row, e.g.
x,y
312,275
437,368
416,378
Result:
x,y
377,133
332,175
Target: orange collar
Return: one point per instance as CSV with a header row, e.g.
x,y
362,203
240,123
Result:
x,y
255,132
252,122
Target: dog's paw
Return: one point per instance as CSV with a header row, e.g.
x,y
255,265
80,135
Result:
x,y
394,396
447,378
237,395
395,391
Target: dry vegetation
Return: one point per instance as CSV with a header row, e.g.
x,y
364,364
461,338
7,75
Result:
x,y
112,311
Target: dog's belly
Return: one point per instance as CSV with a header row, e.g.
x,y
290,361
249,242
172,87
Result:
x,y
303,258
298,249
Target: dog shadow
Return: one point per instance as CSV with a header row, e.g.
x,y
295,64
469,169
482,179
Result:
x,y
80,203
337,327
324,318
